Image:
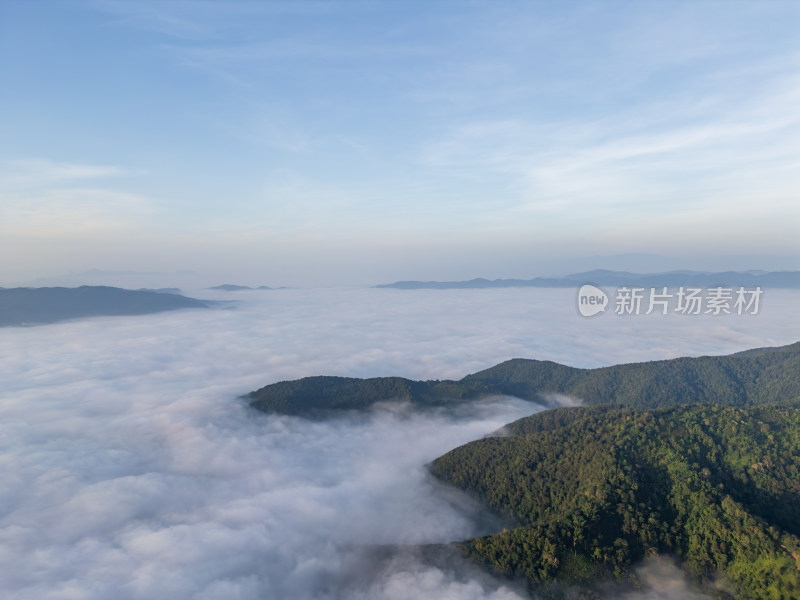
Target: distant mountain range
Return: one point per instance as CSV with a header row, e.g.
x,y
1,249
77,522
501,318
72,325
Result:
x,y
745,378
167,290
671,279
35,306
229,287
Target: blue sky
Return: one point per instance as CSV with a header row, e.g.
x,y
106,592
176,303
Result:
x,y
304,143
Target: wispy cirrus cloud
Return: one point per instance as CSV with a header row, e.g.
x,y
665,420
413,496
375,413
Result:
x,y
41,197
659,159
36,172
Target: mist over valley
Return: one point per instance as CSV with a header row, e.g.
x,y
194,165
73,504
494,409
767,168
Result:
x,y
132,467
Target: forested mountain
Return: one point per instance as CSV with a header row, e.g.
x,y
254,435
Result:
x,y
594,490
316,396
697,458
33,306
750,377
747,378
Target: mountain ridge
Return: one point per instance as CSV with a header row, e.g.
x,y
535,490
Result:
x,y
603,277
38,306
754,376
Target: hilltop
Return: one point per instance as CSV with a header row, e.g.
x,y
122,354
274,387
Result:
x,y
746,378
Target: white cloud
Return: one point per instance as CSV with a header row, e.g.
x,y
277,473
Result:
x,y
33,172
130,469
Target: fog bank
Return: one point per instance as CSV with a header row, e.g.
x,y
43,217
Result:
x,y
131,470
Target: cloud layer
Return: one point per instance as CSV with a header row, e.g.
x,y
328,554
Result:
x,y
131,470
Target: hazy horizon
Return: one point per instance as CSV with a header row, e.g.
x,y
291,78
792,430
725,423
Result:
x,y
196,280
277,143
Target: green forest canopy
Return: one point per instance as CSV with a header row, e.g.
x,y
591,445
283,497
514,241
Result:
x,y
593,490
746,378
697,458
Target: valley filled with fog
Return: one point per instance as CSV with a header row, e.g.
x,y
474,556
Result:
x,y
132,468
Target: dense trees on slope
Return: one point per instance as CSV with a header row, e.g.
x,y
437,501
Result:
x,y
697,458
596,489
747,378
750,377
312,396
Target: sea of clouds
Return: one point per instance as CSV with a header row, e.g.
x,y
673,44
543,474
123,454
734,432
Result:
x,y
132,470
